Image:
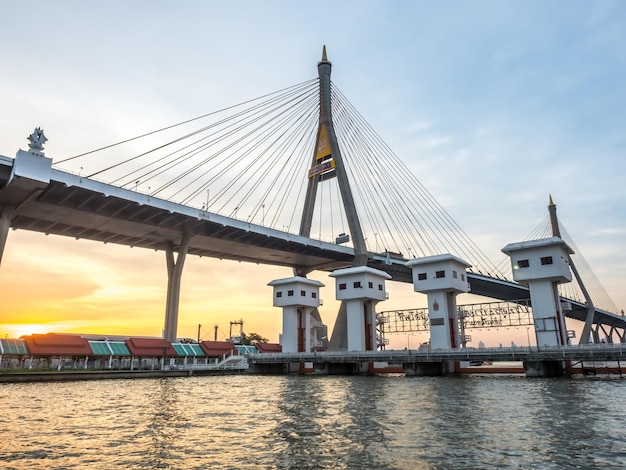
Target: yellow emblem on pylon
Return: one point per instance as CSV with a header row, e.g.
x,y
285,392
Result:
x,y
323,146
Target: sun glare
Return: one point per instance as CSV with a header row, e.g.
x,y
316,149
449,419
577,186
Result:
x,y
17,330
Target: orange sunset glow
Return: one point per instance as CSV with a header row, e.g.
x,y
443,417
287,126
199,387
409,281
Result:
x,y
63,285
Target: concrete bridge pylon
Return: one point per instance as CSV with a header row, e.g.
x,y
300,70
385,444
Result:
x,y
327,163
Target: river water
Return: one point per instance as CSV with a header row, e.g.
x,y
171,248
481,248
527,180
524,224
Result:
x,y
304,422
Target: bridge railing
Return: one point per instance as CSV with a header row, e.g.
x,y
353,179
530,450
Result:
x,y
607,351
227,361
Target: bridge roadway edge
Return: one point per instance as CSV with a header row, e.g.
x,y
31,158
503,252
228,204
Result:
x,y
598,352
538,362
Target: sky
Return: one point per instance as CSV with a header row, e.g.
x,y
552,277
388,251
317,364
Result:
x,y
493,105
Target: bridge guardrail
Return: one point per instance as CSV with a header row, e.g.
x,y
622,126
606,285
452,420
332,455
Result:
x,y
616,351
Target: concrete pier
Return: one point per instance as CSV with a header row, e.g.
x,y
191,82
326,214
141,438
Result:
x,y
360,289
298,297
174,276
541,265
543,368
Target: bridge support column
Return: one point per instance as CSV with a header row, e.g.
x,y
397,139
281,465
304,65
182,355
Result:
x,y
299,297
441,277
6,215
608,334
541,265
359,289
621,335
428,369
595,334
174,276
543,368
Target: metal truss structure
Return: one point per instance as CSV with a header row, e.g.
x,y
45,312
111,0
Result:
x,y
481,315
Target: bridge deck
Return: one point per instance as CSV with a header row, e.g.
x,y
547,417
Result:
x,y
74,206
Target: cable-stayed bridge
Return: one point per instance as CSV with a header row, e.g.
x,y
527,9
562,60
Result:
x,y
294,178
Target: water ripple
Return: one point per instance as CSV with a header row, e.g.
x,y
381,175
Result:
x,y
294,422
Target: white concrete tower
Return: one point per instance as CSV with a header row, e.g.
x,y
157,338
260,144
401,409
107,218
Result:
x,y
541,265
298,296
361,288
441,277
